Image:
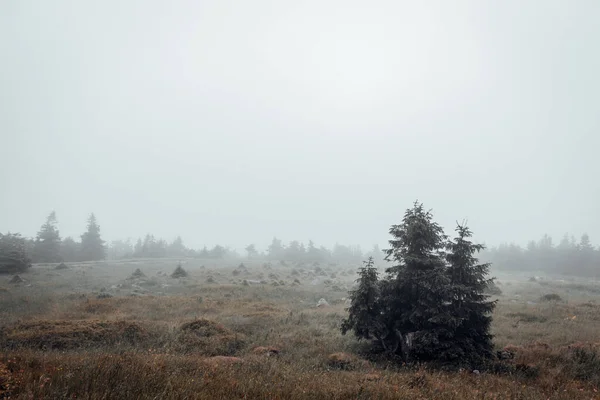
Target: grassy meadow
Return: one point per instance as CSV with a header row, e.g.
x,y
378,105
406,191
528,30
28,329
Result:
x,y
99,331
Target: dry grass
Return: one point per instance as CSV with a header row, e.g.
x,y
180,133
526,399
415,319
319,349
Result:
x,y
186,339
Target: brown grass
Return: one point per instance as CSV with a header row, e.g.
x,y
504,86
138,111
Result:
x,y
211,341
62,334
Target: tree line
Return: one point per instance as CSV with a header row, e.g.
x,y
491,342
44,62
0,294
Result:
x,y
18,253
294,251
568,257
49,247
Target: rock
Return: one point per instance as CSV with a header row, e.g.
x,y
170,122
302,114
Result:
x,y
322,303
104,295
266,350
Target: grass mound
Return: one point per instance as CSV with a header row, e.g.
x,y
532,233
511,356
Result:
x,y
16,279
343,361
73,334
137,274
551,297
179,272
208,338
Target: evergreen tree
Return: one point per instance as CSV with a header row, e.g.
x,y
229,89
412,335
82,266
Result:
x,y
92,245
177,249
217,252
251,250
276,249
471,340
416,294
295,251
365,312
120,249
70,250
47,243
138,248
430,306
13,254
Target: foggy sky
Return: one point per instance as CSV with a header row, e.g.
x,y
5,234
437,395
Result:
x,y
235,121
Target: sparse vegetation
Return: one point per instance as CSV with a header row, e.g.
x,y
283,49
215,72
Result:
x,y
258,341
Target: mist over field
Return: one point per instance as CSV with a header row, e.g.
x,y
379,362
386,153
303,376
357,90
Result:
x,y
299,200
231,123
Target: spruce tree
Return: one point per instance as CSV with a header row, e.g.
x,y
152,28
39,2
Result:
x,y
431,305
46,247
415,293
472,340
364,312
92,245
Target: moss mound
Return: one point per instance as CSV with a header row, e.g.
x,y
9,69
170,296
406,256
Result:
x,y
62,334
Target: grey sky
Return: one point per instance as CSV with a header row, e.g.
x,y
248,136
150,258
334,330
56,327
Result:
x,y
233,121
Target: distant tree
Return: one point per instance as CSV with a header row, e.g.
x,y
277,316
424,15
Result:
x,y
138,248
470,338
70,250
376,253
275,250
217,252
587,259
585,243
13,254
177,249
47,243
295,251
160,249
346,254
204,253
312,253
92,245
148,246
251,250
316,254
120,249
570,257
